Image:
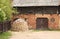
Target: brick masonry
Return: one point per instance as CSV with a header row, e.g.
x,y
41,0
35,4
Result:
x,y
53,20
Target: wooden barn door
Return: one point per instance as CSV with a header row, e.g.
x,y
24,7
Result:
x,y
41,23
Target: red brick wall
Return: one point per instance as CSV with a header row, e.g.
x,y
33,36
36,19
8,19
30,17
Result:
x,y
31,19
59,21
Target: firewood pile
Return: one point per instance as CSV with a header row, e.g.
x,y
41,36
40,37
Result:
x,y
20,25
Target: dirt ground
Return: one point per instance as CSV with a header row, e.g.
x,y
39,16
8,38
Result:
x,y
36,35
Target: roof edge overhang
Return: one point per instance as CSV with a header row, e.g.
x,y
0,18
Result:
x,y
37,6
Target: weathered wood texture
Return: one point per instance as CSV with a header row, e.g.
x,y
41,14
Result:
x,y
5,26
35,3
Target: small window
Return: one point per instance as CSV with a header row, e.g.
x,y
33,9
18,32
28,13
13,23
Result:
x,y
52,20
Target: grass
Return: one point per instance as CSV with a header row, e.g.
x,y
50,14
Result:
x,y
5,35
47,30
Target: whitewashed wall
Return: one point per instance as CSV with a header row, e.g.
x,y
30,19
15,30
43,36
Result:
x,y
35,2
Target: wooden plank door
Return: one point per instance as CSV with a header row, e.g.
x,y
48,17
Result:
x,y
41,23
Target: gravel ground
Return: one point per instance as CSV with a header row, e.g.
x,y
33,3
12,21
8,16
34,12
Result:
x,y
36,35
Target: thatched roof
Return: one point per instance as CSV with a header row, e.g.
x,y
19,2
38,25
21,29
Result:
x,y
35,3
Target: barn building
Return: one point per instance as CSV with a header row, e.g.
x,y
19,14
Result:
x,y
39,14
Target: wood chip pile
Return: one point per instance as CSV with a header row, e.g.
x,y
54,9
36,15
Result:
x,y
20,25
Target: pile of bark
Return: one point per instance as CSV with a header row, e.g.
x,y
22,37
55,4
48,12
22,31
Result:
x,y
20,25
